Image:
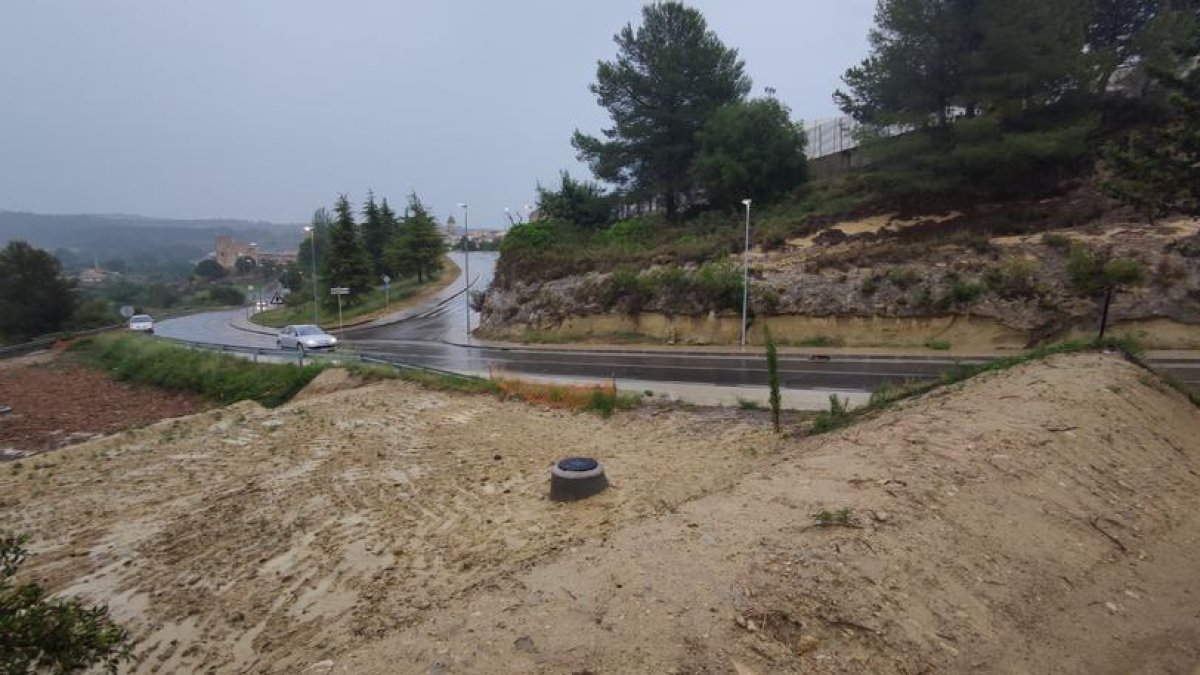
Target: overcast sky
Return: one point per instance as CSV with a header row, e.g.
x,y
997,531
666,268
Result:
x,y
267,109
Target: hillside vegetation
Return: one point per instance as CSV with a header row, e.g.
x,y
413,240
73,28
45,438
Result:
x,y
1070,120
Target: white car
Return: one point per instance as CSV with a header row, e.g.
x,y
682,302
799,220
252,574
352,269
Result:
x,y
304,338
141,323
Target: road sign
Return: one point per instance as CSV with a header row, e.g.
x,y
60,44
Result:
x,y
339,290
127,311
386,279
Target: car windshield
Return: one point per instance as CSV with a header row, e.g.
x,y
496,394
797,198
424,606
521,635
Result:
x,y
139,318
309,330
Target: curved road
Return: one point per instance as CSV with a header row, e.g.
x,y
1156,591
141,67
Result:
x,y
435,335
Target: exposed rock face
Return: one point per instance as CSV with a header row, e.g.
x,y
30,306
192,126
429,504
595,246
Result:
x,y
1022,283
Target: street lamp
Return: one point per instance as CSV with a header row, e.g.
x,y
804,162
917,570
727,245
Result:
x,y
467,265
312,238
745,273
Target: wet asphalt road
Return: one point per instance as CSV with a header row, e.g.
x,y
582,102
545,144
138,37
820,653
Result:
x,y
435,335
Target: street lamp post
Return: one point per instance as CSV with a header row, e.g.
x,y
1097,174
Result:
x,y
467,265
745,274
312,238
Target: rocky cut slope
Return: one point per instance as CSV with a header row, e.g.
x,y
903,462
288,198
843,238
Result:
x,y
887,281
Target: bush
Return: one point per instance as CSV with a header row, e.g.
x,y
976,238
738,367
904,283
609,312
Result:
x,y
42,634
836,417
1058,242
964,292
219,377
720,285
903,277
939,345
226,295
1014,279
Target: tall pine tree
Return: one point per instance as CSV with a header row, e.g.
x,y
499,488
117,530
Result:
x,y
669,76
346,263
374,233
418,249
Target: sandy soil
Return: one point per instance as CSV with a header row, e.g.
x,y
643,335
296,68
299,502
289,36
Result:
x,y
247,539
57,403
1041,520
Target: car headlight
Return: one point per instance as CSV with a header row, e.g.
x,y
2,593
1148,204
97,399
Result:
x,y
333,341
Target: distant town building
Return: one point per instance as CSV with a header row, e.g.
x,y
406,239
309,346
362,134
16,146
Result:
x,y
228,250
451,228
93,275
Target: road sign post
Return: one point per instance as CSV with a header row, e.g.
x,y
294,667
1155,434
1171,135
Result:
x,y
339,291
387,287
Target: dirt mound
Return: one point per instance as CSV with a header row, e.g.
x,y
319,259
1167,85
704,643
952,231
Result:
x,y
329,381
1039,520
1043,519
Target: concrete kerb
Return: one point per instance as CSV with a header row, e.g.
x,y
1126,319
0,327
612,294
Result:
x,y
711,395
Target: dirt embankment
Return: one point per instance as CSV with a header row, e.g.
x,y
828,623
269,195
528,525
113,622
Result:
x,y
1044,519
56,403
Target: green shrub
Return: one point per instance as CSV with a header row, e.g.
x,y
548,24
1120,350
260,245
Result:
x,y
1059,242
903,277
940,345
964,292
836,417
1016,278
39,633
220,377
1083,270
773,378
719,285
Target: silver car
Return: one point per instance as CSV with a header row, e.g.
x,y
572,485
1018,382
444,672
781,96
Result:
x,y
305,338
141,323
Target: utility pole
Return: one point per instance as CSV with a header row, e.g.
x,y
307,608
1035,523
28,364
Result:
x,y
745,274
467,266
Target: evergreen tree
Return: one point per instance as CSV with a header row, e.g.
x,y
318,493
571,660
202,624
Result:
x,y
34,298
374,233
991,93
1158,170
669,76
391,228
580,202
750,150
418,249
346,262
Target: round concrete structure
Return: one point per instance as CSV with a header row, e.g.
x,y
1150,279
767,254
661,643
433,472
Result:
x,y
576,478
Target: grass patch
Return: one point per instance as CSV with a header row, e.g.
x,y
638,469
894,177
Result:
x,y
747,404
603,399
939,345
219,377
372,302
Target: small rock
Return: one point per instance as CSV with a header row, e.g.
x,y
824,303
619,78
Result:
x,y
807,643
881,516
1113,607
320,667
524,644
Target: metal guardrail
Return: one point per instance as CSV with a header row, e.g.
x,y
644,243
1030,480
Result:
x,y
45,341
300,357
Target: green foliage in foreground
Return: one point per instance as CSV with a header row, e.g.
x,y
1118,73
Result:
x,y
839,415
773,378
219,377
42,634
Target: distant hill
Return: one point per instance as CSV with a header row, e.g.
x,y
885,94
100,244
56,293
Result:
x,y
130,237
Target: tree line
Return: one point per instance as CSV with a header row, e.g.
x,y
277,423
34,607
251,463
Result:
x,y
357,255
958,100
1012,98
